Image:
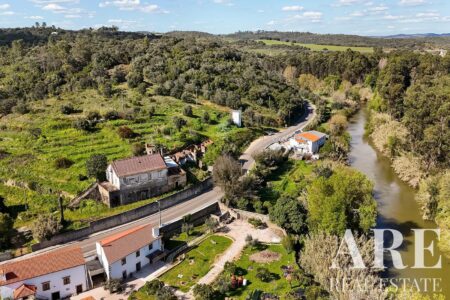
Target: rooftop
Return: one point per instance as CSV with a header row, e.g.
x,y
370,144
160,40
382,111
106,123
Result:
x,y
138,165
312,136
126,242
42,264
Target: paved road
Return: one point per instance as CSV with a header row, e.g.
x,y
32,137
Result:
x,y
267,140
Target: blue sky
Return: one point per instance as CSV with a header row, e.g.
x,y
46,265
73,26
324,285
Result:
x,y
363,17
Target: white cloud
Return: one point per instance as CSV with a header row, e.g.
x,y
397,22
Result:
x,y
4,6
260,11
35,18
392,17
55,1
270,23
312,16
7,13
412,2
53,7
133,5
292,8
427,15
346,2
224,2
378,8
357,14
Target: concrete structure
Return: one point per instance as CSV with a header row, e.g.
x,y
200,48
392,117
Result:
x,y
127,252
54,275
140,178
236,117
307,142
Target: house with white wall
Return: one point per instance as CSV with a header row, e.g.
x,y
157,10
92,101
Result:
x,y
127,252
52,275
307,142
139,178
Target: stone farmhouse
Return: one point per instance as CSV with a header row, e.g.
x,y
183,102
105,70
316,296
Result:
x,y
127,252
139,178
53,275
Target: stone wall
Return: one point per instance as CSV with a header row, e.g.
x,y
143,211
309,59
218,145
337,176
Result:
x,y
128,216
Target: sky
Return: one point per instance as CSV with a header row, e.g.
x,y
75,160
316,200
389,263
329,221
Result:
x,y
362,17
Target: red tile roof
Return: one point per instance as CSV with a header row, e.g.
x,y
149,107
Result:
x,y
129,241
307,136
42,264
24,290
138,165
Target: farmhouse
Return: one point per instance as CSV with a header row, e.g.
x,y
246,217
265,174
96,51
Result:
x,y
139,178
127,252
307,142
53,275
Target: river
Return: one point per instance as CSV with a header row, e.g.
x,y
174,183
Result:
x,y
397,207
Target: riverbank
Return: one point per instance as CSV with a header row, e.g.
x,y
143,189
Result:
x,y
397,207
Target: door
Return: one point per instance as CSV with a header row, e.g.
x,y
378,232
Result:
x,y
56,296
79,289
124,275
138,267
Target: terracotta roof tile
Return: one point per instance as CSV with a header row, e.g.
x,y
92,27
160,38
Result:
x,y
24,290
137,165
42,264
308,136
122,244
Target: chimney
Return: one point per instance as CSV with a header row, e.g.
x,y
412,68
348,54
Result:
x,y
155,232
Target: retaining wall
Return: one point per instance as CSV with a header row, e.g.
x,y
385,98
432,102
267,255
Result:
x,y
128,216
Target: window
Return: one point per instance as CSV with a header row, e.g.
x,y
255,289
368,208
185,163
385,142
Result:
x,y
150,246
66,280
138,253
46,286
124,261
124,275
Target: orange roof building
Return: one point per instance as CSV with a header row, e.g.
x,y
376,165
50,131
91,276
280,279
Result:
x,y
127,252
61,272
308,142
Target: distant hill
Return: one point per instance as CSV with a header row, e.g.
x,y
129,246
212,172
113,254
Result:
x,y
416,35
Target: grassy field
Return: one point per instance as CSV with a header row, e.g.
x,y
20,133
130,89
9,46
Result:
x,y
31,156
316,47
197,263
287,179
278,285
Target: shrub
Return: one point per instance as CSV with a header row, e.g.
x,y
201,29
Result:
x,y
7,105
287,243
6,229
138,149
255,222
151,111
206,118
45,227
84,124
204,292
126,132
94,116
21,108
179,122
112,115
113,286
263,274
187,111
152,287
63,163
67,109
96,166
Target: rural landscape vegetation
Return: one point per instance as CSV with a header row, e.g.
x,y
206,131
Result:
x,y
73,101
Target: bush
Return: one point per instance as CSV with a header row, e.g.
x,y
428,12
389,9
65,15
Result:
x,y
96,166
263,274
63,163
45,227
113,286
288,243
94,116
257,223
126,132
6,229
179,122
206,118
204,292
138,149
21,108
187,111
67,109
112,115
151,111
152,287
7,105
84,124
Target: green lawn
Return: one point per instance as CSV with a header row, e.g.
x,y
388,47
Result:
x,y
181,239
30,157
316,47
278,285
197,263
287,179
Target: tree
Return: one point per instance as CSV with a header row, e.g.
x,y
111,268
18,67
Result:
x,y
263,274
96,166
6,229
166,293
45,227
204,292
138,149
84,124
63,163
289,214
288,243
113,286
179,122
67,109
226,173
338,123
342,201
187,111
3,207
206,118
126,132
212,224
112,115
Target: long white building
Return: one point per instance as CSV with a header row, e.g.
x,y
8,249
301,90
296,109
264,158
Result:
x,y
53,275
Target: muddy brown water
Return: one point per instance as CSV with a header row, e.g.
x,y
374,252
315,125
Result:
x,y
398,210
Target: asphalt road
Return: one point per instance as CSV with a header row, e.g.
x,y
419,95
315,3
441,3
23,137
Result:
x,y
195,204
265,141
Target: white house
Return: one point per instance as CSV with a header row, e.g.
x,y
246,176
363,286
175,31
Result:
x,y
139,178
308,142
127,252
53,275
